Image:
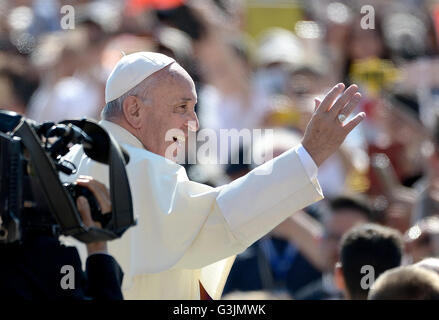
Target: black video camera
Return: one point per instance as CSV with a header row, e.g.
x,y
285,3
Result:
x,y
32,197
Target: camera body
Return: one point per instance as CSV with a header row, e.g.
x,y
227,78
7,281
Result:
x,y
32,197
12,164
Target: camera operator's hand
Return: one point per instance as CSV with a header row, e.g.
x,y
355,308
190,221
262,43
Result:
x,y
103,197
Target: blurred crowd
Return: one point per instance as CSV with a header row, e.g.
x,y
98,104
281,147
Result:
x,y
381,206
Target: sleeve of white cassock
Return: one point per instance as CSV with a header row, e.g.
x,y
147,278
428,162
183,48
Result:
x,y
184,224
249,207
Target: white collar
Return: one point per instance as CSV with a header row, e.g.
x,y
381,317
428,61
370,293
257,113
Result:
x,y
121,134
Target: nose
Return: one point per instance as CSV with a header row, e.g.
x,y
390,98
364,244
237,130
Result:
x,y
192,123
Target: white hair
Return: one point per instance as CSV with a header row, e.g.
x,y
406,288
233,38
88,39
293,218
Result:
x,y
114,109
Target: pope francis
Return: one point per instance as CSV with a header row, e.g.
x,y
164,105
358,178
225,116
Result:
x,y
188,233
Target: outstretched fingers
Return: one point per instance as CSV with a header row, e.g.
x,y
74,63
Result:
x,y
348,127
347,110
344,99
330,98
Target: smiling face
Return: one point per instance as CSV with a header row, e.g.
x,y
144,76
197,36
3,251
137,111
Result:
x,y
169,104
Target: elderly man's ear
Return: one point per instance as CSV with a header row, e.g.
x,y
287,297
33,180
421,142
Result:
x,y
132,111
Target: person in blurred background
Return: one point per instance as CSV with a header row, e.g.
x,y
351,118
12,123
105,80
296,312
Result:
x,y
16,88
371,246
430,264
422,239
342,214
406,283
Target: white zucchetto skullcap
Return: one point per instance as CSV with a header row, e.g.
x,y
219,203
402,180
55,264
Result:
x,y
131,70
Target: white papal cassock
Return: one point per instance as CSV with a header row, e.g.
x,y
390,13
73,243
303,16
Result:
x,y
189,232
